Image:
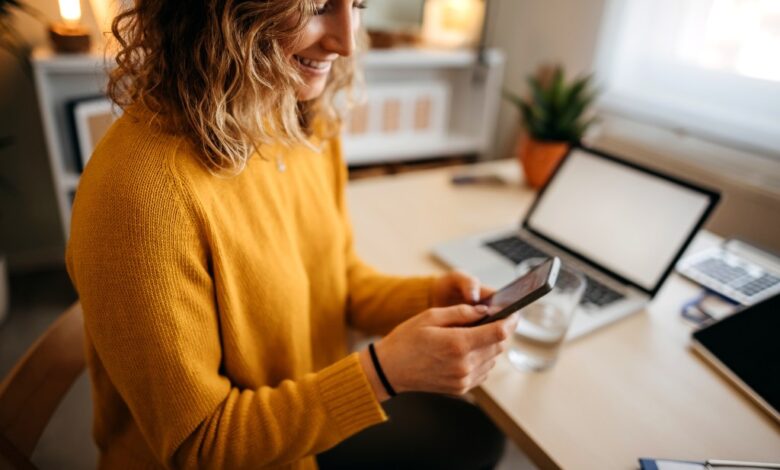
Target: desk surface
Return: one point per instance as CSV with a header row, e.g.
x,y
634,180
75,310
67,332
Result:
x,y
631,390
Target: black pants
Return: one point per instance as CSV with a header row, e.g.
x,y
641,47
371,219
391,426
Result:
x,y
424,431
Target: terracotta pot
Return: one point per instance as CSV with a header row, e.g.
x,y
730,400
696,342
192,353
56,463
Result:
x,y
539,159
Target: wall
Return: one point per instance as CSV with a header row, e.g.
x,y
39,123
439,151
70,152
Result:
x,y
29,224
30,232
532,32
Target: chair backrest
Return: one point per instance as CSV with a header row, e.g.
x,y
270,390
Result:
x,y
31,392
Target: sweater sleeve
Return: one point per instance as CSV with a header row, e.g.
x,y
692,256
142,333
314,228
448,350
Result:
x,y
140,263
377,302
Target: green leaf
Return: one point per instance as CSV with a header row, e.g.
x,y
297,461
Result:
x,y
537,91
512,98
527,114
573,112
577,88
581,128
557,91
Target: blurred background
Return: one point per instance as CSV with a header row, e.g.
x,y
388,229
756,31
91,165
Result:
x,y
691,87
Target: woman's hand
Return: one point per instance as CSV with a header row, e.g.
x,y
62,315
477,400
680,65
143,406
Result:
x,y
457,287
436,352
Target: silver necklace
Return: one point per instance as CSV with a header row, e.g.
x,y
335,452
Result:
x,y
280,164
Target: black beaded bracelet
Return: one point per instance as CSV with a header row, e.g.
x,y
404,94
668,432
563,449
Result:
x,y
380,372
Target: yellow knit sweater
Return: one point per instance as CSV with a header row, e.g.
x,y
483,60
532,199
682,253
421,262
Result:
x,y
216,308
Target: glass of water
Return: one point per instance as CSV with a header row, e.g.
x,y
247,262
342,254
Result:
x,y
543,324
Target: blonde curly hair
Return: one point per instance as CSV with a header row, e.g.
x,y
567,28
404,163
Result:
x,y
217,72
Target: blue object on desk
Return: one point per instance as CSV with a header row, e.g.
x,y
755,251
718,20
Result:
x,y
665,464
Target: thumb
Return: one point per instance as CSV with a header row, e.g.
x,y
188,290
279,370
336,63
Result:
x,y
457,315
470,288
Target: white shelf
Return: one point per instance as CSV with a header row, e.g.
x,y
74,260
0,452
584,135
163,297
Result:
x,y
70,181
46,59
360,153
428,58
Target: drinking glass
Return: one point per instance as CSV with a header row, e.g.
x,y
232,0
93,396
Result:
x,y
543,324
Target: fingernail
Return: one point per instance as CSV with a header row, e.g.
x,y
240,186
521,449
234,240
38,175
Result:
x,y
483,309
475,293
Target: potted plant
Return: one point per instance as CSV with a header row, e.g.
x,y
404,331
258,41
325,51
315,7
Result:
x,y
554,117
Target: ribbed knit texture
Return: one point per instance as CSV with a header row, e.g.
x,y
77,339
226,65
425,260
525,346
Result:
x,y
216,307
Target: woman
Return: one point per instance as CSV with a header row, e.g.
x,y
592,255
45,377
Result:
x,y
213,257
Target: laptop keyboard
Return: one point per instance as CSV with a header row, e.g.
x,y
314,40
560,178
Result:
x,y
517,250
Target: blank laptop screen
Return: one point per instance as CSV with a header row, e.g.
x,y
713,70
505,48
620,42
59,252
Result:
x,y
630,222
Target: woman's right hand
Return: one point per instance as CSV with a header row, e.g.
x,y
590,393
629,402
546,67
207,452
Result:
x,y
435,351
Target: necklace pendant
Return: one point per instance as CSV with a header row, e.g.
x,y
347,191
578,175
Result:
x,y
280,165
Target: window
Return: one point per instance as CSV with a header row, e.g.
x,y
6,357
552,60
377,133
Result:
x,y
708,67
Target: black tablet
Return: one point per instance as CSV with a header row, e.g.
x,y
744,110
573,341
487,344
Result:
x,y
745,348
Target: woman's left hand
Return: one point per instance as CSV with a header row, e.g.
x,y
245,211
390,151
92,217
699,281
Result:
x,y
457,287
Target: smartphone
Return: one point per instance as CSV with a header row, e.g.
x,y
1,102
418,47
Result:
x,y
521,292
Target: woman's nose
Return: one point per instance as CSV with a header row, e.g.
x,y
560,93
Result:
x,y
340,33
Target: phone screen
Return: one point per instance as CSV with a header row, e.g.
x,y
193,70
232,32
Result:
x,y
522,291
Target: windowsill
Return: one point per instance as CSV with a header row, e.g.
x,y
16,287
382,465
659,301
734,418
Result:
x,y
688,155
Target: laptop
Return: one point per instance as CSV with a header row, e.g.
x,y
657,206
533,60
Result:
x,y
623,225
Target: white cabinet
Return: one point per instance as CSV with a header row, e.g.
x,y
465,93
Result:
x,y
472,89
456,94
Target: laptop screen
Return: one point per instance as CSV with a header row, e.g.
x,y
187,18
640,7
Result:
x,y
630,221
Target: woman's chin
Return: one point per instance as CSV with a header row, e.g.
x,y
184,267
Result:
x,y
311,91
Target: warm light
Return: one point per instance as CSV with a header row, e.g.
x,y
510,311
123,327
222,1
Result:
x,y
456,14
69,36
452,23
70,10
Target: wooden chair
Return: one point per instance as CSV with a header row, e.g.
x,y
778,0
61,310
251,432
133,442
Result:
x,y
31,392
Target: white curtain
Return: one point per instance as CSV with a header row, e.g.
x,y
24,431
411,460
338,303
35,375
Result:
x,y
708,67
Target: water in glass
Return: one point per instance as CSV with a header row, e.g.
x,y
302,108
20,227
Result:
x,y
542,325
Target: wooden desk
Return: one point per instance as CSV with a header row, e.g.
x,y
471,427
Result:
x,y
631,390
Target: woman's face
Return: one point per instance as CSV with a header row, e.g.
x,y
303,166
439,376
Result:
x,y
327,35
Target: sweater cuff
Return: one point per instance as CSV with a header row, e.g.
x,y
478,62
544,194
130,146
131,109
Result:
x,y
348,397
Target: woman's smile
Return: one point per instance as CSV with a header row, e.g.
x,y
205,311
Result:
x,y
312,66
